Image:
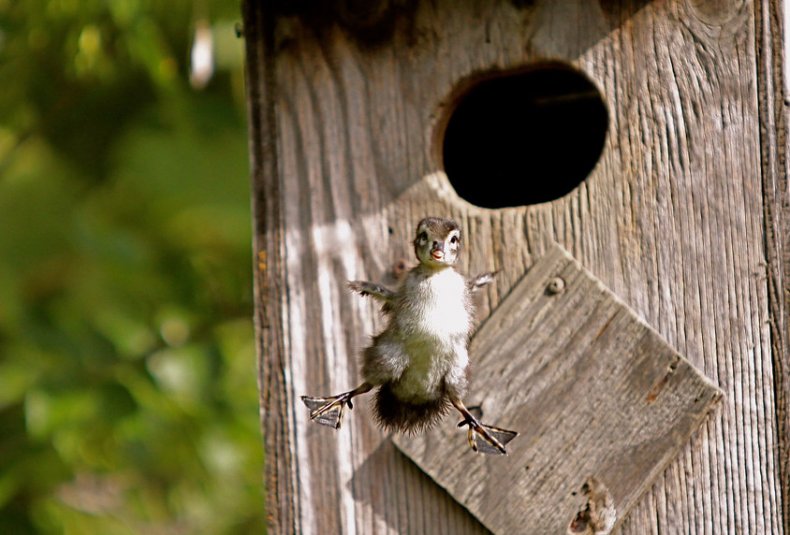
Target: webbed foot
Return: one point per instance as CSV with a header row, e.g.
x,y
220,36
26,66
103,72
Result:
x,y
486,438
329,411
483,438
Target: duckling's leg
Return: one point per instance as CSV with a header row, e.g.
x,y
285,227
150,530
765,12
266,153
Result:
x,y
483,438
329,411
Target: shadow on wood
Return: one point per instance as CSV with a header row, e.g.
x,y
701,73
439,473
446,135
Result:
x,y
407,478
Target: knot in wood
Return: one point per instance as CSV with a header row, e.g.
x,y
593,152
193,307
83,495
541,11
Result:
x,y
555,286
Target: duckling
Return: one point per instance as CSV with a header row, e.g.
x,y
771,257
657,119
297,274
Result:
x,y
419,363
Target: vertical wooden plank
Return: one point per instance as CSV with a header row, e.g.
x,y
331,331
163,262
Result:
x,y
771,20
696,217
332,105
269,271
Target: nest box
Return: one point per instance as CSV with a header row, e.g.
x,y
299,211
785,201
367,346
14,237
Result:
x,y
622,166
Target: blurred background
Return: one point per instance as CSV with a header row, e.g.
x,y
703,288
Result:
x,y
128,401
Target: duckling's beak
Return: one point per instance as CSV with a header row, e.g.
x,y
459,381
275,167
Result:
x,y
437,252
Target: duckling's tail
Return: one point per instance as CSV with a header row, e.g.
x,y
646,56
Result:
x,y
398,415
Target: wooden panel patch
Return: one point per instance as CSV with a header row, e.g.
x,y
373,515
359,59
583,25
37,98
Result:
x,y
595,393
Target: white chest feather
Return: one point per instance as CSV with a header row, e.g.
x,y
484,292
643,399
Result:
x,y
432,322
434,306
444,312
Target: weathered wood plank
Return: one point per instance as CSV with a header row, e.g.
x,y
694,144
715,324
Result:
x,y
269,285
594,391
344,132
773,98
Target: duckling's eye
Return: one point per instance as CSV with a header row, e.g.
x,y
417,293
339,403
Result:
x,y
423,236
454,240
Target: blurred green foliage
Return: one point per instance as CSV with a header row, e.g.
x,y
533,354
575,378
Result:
x,y
128,401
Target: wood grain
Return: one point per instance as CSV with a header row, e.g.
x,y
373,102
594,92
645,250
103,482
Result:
x,y
593,391
281,468
345,124
773,99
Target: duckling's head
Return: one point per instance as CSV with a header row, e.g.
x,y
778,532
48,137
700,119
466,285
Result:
x,y
437,242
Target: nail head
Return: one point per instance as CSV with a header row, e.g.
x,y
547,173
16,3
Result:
x,y
556,286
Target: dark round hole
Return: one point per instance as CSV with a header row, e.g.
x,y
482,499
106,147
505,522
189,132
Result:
x,y
524,138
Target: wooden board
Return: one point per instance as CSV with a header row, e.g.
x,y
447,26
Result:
x,y
774,99
593,391
685,218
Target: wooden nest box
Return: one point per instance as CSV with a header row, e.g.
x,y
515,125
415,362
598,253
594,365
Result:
x,y
622,165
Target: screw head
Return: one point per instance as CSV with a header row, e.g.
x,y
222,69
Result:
x,y
555,286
